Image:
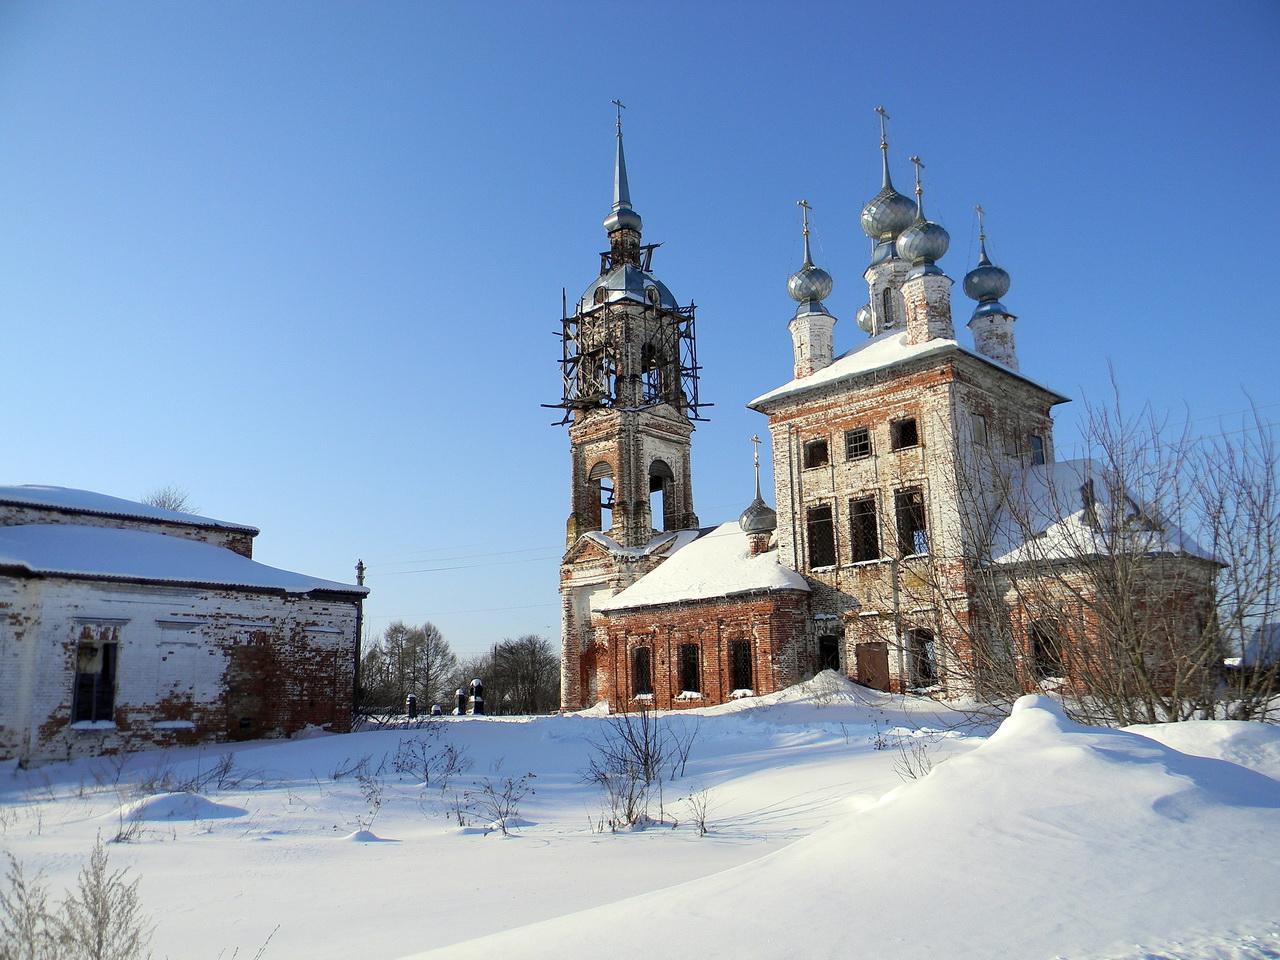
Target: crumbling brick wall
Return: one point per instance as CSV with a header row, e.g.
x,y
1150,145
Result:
x,y
239,540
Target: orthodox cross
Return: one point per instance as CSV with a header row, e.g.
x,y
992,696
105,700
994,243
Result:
x,y
621,106
804,207
919,164
982,230
884,139
755,453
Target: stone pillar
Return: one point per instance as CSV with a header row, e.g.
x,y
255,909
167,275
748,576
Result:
x,y
928,297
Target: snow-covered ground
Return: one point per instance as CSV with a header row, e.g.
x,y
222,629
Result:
x,y
1039,839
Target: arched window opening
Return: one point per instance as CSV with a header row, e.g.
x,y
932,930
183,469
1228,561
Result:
x,y
609,377
653,373
1046,649
690,678
740,665
923,658
886,309
600,500
661,480
641,672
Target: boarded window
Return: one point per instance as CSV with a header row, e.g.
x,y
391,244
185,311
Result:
x,y
816,454
94,693
1037,448
1046,649
909,508
904,433
641,672
822,537
864,541
979,429
923,658
857,443
740,665
690,681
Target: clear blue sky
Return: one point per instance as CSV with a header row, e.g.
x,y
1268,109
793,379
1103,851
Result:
x,y
305,259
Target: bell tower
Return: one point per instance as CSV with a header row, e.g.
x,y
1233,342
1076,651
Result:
x,y
629,371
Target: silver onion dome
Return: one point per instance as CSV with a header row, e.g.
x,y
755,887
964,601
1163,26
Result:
x,y
759,517
986,282
809,285
888,213
866,322
622,216
924,242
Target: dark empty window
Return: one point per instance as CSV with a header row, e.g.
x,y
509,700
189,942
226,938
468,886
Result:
x,y
689,679
94,695
653,367
1046,649
909,507
863,538
979,429
904,433
924,664
1037,448
886,302
815,453
822,537
740,664
829,653
857,443
641,675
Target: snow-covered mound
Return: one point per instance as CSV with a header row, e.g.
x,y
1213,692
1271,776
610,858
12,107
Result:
x,y
175,806
1050,839
1253,745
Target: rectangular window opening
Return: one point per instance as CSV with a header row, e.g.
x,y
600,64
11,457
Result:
x,y
95,684
740,664
816,454
864,539
904,433
1037,449
857,443
979,429
912,535
690,681
822,537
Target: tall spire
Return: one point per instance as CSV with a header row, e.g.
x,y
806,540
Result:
x,y
983,259
804,215
622,215
886,183
759,520
755,455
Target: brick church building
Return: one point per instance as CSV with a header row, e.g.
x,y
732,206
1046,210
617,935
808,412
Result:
x,y
898,466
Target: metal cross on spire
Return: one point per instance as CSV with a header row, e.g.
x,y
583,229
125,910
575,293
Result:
x,y
621,106
804,217
755,456
982,235
919,165
884,146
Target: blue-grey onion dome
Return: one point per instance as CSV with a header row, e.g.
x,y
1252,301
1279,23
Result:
x,y
624,218
887,214
923,242
865,319
810,283
758,518
986,282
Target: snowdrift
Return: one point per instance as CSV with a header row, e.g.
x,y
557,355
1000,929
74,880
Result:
x,y
1049,839
175,806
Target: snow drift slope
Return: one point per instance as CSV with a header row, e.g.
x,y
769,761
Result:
x,y
1050,839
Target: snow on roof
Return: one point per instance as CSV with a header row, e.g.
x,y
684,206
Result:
x,y
716,564
105,552
1045,516
886,350
86,501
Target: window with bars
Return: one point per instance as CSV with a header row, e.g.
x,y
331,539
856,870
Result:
x,y
904,433
816,453
864,539
912,533
690,681
857,443
822,536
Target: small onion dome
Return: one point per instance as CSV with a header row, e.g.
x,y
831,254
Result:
x,y
986,282
810,283
622,218
865,319
888,213
759,517
924,242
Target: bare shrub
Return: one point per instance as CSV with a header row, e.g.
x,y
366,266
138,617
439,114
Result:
x,y
102,918
371,791
27,929
418,758
914,759
699,804
499,802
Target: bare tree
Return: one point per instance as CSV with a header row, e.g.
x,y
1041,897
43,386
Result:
x,y
521,676
170,497
404,660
